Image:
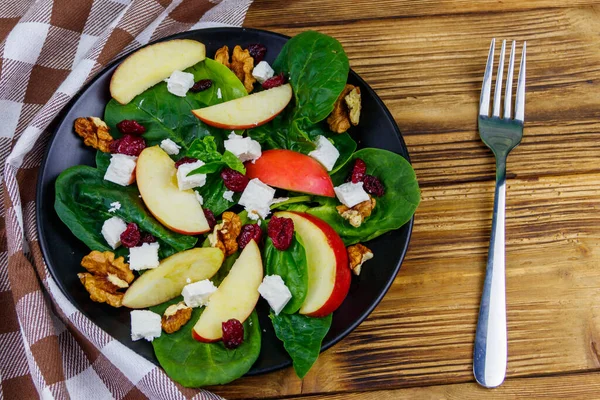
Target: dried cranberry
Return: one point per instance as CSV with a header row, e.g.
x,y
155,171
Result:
x,y
201,85
131,236
128,144
281,232
147,238
233,333
249,232
358,171
234,180
185,160
275,81
210,218
257,51
373,186
130,126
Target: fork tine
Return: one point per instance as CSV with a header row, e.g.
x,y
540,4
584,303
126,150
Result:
x,y
520,100
509,80
498,90
486,87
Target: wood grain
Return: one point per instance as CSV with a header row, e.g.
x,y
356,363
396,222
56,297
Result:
x,y
425,59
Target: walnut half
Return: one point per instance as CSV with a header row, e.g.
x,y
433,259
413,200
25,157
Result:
x,y
357,214
105,276
346,111
224,235
175,317
241,64
94,132
357,255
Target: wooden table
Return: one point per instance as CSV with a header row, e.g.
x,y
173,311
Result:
x,y
425,59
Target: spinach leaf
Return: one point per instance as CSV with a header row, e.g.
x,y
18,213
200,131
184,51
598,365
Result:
x,y
317,68
291,265
193,364
394,209
165,115
102,161
212,193
205,149
302,337
278,134
82,201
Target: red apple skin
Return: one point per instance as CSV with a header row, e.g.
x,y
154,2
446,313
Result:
x,y
287,169
230,126
342,274
201,339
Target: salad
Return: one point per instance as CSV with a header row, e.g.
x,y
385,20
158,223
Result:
x,y
220,181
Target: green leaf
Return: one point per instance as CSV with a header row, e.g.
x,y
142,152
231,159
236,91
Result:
x,y
82,201
166,116
291,265
233,162
204,149
194,364
302,337
212,193
394,209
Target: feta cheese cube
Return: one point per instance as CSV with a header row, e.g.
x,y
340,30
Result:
x,y
145,324
197,294
114,206
228,195
262,71
112,229
256,199
325,153
219,95
273,290
243,148
350,194
189,182
121,169
179,83
170,147
144,256
199,197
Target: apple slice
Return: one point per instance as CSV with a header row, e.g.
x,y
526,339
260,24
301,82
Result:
x,y
178,210
151,65
328,271
287,169
166,281
236,297
248,111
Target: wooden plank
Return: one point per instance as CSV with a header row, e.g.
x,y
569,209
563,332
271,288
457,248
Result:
x,y
310,13
577,387
422,333
429,71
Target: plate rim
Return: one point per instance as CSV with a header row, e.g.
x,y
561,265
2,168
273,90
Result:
x,y
59,120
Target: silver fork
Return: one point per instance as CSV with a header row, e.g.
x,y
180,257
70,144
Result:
x,y
501,135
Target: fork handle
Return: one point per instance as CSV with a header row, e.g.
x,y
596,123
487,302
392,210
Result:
x,y
490,353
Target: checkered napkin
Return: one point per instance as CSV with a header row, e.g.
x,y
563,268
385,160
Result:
x,y
48,50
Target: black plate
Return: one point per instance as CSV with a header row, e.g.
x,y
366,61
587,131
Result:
x,y
63,252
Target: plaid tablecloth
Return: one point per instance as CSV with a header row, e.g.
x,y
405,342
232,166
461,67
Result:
x,y
49,49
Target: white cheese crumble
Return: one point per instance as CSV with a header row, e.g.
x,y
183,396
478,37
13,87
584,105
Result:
x,y
219,95
279,200
189,182
179,83
243,148
112,229
199,197
274,290
144,256
256,199
145,324
350,194
121,169
325,153
114,206
197,294
228,195
262,71
170,147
